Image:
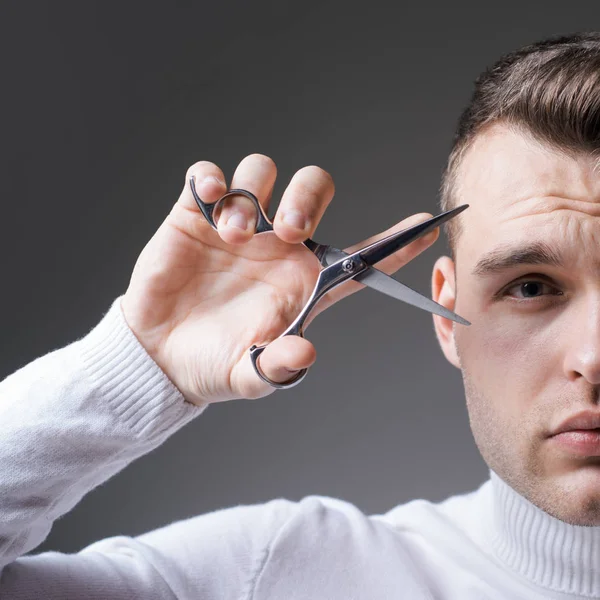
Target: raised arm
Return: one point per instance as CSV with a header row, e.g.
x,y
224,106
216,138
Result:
x,y
175,342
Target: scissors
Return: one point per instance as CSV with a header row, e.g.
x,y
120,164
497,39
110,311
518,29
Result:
x,y
339,267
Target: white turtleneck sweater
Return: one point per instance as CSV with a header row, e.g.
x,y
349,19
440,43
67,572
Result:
x,y
76,416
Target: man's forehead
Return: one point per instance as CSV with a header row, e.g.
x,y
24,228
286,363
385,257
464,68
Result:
x,y
505,165
515,184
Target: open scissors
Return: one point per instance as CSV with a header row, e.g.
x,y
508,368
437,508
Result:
x,y
339,267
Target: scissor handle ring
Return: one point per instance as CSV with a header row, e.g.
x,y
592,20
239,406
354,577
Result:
x,y
262,221
255,352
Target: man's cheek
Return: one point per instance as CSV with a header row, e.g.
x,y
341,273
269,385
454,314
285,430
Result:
x,y
502,352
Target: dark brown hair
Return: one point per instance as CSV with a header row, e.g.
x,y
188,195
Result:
x,y
550,89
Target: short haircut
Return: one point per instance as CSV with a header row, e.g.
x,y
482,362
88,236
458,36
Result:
x,y
550,89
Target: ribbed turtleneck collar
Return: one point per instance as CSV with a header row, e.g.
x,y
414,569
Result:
x,y
549,552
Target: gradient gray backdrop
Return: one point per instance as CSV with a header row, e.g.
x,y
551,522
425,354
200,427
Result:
x,y
106,104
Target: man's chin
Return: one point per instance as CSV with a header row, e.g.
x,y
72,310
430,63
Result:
x,y
573,496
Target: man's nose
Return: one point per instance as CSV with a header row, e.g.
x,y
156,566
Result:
x,y
582,358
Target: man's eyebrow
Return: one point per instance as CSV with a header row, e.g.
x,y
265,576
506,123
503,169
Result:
x,y
505,257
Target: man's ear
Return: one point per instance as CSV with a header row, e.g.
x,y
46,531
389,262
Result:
x,y
443,289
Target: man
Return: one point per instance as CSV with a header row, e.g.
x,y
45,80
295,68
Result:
x,y
526,262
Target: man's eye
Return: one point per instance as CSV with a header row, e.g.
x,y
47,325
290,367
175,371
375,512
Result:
x,y
530,289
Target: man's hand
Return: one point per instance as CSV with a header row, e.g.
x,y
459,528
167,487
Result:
x,y
198,299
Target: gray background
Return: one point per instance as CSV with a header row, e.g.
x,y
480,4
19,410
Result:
x,y
106,104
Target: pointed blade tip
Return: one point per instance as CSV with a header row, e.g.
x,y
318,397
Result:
x,y
455,211
451,316
461,321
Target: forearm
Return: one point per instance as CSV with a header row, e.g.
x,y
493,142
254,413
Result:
x,y
72,419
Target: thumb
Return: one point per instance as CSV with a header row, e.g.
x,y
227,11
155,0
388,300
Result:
x,y
280,362
285,356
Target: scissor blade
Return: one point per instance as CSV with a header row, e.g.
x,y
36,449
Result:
x,y
385,284
390,286
381,249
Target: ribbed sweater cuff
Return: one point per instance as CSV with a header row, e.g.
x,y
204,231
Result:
x,y
129,381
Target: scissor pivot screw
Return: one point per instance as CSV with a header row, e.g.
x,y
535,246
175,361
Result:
x,y
348,265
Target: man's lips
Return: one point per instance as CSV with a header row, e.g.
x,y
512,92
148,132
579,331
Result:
x,y
580,421
579,434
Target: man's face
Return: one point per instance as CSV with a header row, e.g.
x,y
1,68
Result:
x,y
531,357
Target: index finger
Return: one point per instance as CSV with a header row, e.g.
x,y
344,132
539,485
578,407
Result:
x,y
209,182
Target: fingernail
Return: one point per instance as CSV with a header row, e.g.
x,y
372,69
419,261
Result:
x,y
294,218
209,183
238,220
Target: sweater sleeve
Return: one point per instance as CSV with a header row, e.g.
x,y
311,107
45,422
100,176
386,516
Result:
x,y
73,418
216,556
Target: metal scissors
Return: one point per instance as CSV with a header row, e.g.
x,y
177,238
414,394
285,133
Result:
x,y
339,267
